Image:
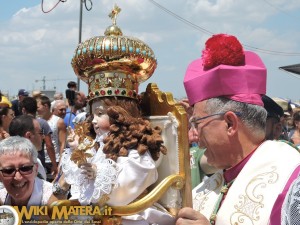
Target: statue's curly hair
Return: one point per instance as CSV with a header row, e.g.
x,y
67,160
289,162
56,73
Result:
x,y
131,132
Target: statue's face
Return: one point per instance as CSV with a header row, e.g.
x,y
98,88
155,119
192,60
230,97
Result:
x,y
101,119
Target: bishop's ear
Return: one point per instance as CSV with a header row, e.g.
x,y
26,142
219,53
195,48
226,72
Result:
x,y
232,121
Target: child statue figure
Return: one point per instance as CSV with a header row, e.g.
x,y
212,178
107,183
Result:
x,y
114,162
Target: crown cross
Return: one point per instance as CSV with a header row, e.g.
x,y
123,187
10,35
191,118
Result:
x,y
114,13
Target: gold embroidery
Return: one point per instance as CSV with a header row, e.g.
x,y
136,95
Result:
x,y
253,199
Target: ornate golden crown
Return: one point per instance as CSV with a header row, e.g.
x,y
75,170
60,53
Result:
x,y
113,65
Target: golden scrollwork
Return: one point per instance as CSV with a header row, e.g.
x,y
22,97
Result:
x,y
248,208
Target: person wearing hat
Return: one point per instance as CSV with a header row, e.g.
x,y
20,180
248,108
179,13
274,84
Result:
x,y
4,102
198,162
274,127
22,93
225,87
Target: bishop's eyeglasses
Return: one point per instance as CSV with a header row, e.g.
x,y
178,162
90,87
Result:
x,y
194,121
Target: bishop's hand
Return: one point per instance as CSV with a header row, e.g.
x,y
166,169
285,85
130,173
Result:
x,y
188,216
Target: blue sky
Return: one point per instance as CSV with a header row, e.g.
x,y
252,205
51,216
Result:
x,y
9,8
34,44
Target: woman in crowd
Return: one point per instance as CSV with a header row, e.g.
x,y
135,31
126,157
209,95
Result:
x,y
6,116
18,172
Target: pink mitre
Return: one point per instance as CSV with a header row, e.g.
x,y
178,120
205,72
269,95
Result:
x,y
226,70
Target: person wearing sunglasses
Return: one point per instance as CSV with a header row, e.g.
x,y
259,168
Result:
x,y
225,87
18,173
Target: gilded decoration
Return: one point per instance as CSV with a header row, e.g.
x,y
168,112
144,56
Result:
x,y
113,52
250,203
112,84
80,154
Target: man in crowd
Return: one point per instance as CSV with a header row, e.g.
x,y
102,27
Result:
x,y
72,85
58,132
22,93
225,88
58,96
77,107
28,127
274,117
29,107
59,108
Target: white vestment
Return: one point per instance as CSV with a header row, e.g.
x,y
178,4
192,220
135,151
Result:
x,y
251,197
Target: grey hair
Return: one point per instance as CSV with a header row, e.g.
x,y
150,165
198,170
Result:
x,y
55,103
253,116
15,144
58,96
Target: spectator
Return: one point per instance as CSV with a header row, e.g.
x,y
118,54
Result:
x,y
22,93
58,135
28,127
287,121
274,117
72,85
4,102
6,116
295,137
37,93
18,163
29,107
59,108
79,104
58,96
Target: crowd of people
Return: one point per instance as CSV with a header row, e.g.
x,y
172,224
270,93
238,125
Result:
x,y
245,161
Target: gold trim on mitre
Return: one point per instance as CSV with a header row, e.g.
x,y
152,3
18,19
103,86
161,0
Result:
x,y
108,83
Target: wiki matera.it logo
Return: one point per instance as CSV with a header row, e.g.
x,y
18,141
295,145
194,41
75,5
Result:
x,y
8,215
